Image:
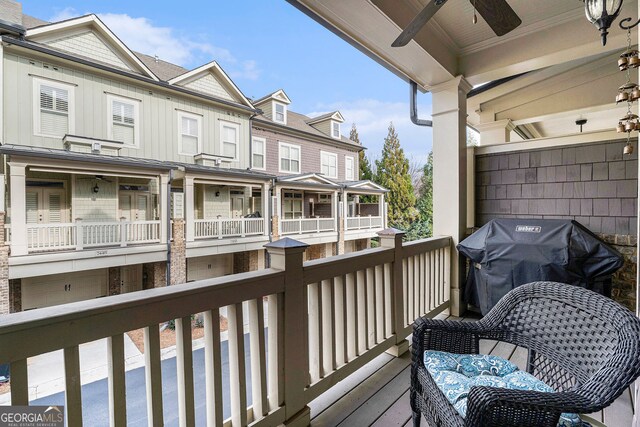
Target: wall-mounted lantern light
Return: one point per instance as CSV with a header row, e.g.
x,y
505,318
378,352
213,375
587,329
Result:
x,y
602,13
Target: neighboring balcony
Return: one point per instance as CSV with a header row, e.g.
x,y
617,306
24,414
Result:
x,y
86,235
307,225
228,227
365,223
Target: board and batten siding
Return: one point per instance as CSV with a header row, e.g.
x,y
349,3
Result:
x,y
158,112
310,153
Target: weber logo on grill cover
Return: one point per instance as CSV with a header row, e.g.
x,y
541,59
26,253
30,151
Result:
x,y
528,229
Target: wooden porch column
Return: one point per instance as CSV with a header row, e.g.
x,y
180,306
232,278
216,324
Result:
x,y
381,211
164,211
450,173
18,208
266,199
189,209
286,255
340,222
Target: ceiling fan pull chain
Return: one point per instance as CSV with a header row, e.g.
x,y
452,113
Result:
x,y
475,17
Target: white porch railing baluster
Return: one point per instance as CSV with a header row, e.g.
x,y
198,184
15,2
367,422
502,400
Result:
x,y
153,375
258,358
213,367
116,380
184,365
237,377
19,383
73,393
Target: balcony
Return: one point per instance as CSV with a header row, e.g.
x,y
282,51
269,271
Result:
x,y
226,227
84,235
364,223
350,310
307,225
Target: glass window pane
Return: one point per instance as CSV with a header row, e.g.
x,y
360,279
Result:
x,y
295,166
258,161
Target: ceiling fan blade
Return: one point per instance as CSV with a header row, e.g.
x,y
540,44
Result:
x,y
418,22
498,14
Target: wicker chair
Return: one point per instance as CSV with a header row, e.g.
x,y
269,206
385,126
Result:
x,y
583,345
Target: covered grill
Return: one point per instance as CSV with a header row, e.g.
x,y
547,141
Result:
x,y
506,253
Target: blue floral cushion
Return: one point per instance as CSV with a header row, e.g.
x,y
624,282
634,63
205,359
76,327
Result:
x,y
455,374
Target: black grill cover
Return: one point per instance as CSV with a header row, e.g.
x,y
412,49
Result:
x,y
506,253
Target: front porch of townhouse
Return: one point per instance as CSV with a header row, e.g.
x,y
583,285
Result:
x,y
65,204
364,209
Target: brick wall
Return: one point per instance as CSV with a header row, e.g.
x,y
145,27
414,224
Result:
x,y
178,254
154,275
15,295
591,183
115,281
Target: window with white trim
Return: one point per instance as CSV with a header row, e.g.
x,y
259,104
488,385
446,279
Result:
x,y
329,164
258,153
189,133
54,112
124,125
348,168
292,205
335,129
289,158
229,136
279,112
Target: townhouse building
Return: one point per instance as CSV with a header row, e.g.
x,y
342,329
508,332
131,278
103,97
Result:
x,y
123,172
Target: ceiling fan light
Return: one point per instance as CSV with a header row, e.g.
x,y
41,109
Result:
x,y
602,13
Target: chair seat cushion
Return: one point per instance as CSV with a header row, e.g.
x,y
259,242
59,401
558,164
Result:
x,y
455,374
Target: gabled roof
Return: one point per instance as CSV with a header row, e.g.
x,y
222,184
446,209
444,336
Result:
x,y
215,69
59,29
329,116
163,69
278,95
308,178
367,185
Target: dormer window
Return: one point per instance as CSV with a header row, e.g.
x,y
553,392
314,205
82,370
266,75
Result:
x,y
335,130
279,113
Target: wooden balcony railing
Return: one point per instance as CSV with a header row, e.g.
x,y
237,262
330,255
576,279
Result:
x,y
307,225
325,319
364,222
228,227
80,235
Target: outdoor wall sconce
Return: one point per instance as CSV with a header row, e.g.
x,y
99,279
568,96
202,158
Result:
x,y
96,188
602,13
217,194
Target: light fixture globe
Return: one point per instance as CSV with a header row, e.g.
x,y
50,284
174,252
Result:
x,y
602,13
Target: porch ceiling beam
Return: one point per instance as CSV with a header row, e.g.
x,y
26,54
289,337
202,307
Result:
x,y
238,183
91,172
564,42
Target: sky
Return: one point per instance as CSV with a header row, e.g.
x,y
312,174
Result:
x,y
266,45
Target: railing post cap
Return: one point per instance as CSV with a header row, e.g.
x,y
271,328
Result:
x,y
390,232
286,243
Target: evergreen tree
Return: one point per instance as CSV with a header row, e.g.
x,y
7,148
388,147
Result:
x,y
425,199
364,167
392,172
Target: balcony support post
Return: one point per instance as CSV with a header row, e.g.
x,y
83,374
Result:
x,y
164,211
450,174
392,238
18,209
287,255
189,206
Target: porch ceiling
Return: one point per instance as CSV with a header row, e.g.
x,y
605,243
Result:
x,y
552,32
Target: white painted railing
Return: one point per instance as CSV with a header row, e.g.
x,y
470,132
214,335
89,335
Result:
x,y
228,227
306,225
364,222
81,235
340,313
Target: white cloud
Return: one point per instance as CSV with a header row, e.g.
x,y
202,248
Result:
x,y
141,35
372,118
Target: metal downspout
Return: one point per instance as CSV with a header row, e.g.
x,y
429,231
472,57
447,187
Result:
x,y
413,108
168,208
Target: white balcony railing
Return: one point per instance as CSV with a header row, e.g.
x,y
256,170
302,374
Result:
x,y
364,222
80,235
228,227
306,225
340,313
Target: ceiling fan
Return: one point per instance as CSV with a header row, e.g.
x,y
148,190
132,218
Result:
x,y
497,13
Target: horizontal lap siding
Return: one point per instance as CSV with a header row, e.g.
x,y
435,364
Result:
x,y
310,153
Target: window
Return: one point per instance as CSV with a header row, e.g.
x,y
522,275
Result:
x,y
292,205
289,158
348,168
335,129
54,113
229,134
257,148
329,164
123,120
189,134
279,112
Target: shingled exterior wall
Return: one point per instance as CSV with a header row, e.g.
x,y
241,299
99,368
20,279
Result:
x,y
591,183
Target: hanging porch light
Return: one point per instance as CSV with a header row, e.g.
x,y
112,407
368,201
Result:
x,y
602,13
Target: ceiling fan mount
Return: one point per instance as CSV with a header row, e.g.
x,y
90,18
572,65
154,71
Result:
x,y
497,14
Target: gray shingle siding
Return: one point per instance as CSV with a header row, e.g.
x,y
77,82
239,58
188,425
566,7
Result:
x,y
592,184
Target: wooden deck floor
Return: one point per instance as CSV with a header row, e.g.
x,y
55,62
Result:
x,y
378,394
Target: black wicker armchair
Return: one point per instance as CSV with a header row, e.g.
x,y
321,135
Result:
x,y
583,345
